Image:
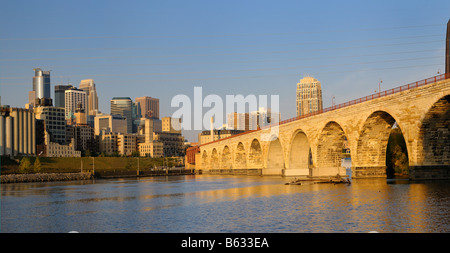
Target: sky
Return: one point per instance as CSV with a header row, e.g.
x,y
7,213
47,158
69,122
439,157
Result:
x,y
165,48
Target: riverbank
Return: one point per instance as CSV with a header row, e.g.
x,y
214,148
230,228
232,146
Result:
x,y
49,177
44,177
14,170
79,164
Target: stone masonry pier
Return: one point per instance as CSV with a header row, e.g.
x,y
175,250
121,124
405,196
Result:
x,y
312,146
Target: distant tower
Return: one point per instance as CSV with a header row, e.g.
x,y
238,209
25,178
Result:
x,y
72,98
88,86
149,107
309,96
60,95
123,106
41,87
447,50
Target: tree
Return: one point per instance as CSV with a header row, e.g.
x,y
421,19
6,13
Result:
x,y
25,165
400,161
37,165
396,154
129,164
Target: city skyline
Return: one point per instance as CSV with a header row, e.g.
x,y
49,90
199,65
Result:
x,y
165,49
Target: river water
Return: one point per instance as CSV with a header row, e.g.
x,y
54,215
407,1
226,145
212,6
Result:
x,y
225,204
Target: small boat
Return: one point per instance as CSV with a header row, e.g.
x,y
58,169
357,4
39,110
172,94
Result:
x,y
335,180
295,182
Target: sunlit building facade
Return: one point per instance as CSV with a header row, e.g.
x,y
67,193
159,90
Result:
x,y
309,96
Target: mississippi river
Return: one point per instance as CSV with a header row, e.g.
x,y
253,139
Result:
x,y
225,204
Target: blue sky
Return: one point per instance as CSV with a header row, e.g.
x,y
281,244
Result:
x,y
164,48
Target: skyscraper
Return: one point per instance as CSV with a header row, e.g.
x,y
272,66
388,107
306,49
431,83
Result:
x,y
123,106
88,86
262,117
41,87
149,107
54,122
238,121
74,98
60,95
309,96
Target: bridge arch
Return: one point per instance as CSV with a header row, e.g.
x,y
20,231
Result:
x,y
434,135
255,159
205,164
331,142
299,154
227,160
275,158
240,157
372,142
215,159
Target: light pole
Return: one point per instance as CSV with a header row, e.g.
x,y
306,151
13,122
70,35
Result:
x,y
379,85
137,173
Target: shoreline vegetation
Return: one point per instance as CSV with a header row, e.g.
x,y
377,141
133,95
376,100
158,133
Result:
x,y
46,169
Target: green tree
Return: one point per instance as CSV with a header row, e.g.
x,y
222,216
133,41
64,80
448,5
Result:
x,y
400,161
396,154
25,165
37,165
129,164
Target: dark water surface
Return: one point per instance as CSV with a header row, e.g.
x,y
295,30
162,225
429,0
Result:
x,y
216,204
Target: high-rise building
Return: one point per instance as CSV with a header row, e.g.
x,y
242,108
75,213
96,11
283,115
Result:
x,y
54,122
149,107
80,115
309,96
123,106
74,98
262,117
41,87
88,86
172,143
128,143
172,125
60,94
238,121
108,143
136,116
31,99
105,124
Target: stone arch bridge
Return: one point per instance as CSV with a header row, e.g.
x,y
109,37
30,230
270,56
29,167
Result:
x,y
313,145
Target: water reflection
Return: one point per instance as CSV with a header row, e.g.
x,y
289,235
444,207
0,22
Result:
x,y
206,203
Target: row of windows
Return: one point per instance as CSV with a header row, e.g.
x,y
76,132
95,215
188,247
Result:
x,y
55,121
53,113
56,127
57,147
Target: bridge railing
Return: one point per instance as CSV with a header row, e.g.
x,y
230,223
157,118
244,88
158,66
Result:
x,y
368,98
352,102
